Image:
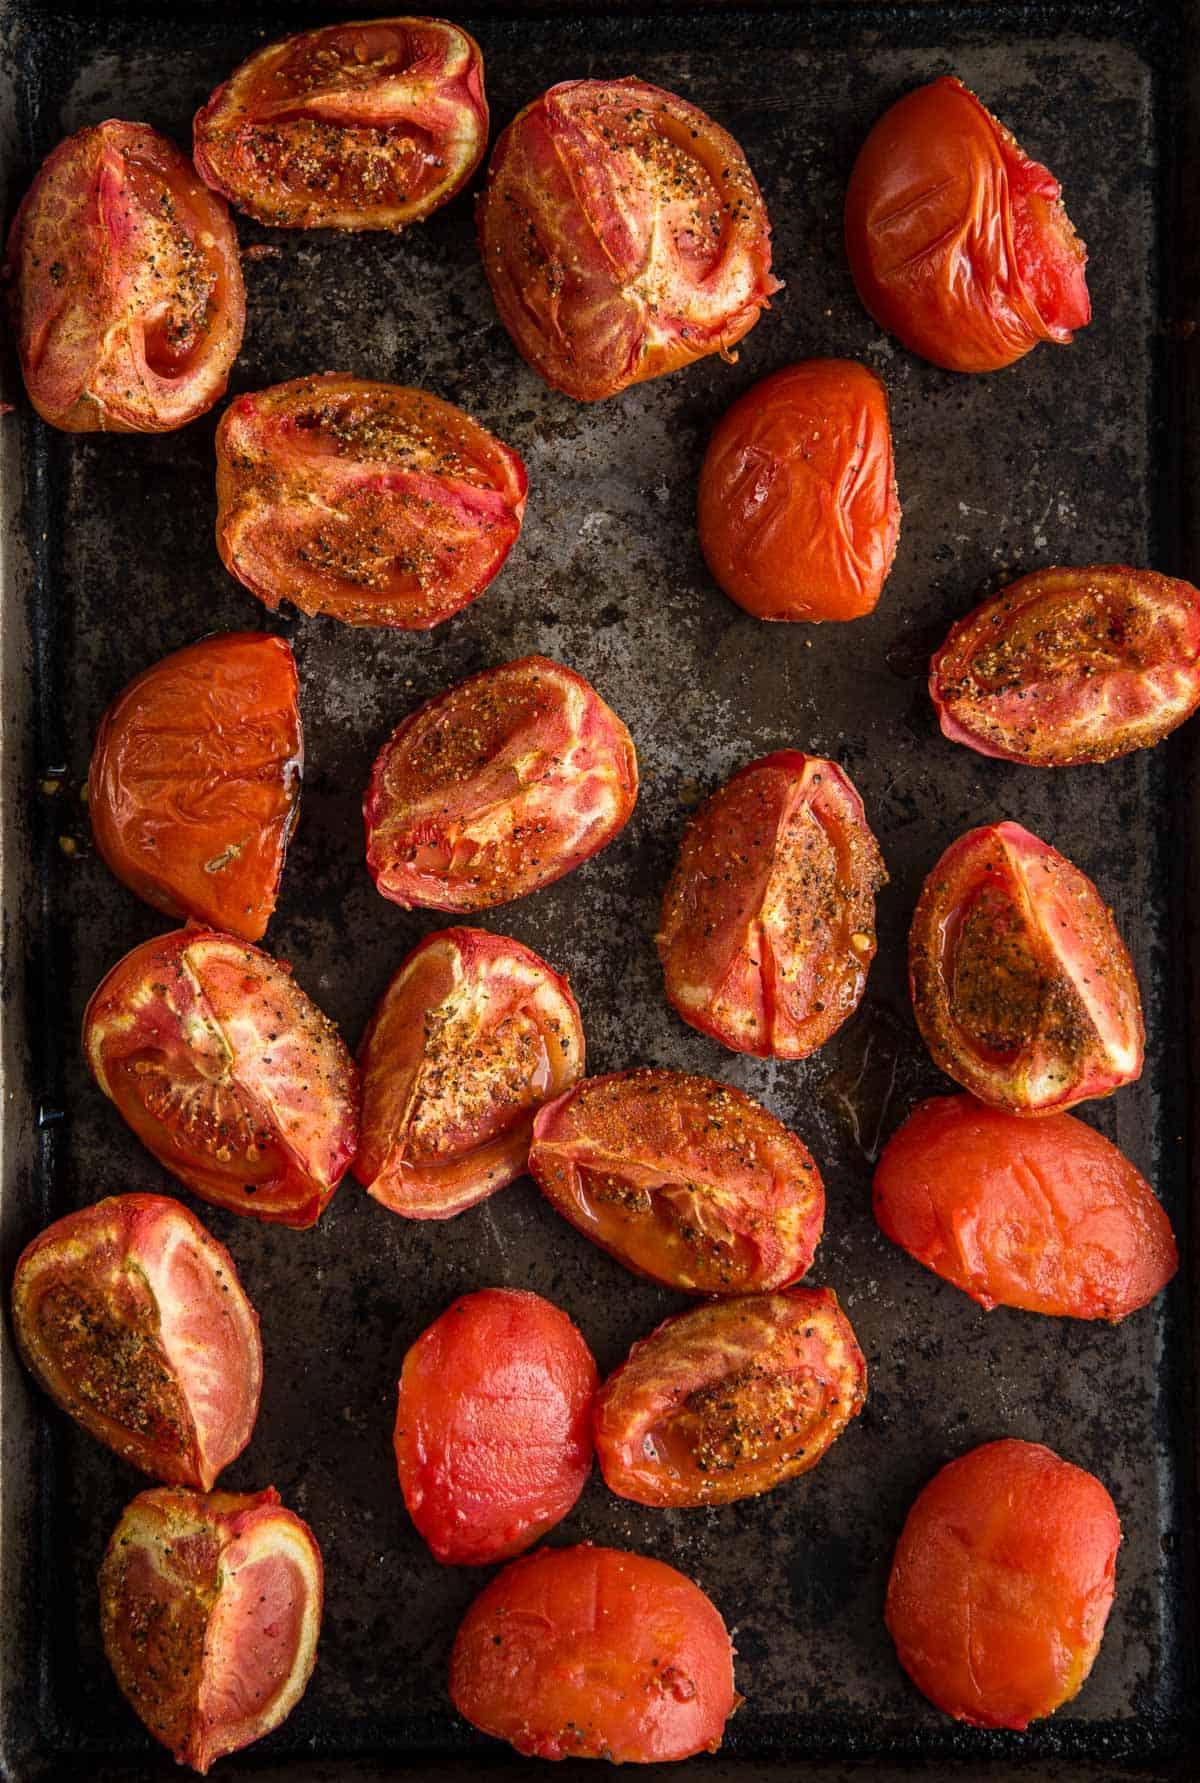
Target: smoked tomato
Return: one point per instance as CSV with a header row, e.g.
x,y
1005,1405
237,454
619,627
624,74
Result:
x,y
1022,988
1002,1583
623,235
768,923
368,125
958,242
227,1073
372,503
593,1653
125,288
497,787
797,503
683,1179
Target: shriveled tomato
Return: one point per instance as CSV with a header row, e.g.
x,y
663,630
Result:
x,y
1002,1583
797,503
623,236
368,125
210,1609
1022,988
957,241
768,922
497,787
227,1073
594,1653
683,1179
125,289
1047,1215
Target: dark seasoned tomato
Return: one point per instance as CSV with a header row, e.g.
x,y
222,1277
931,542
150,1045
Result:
x,y
497,787
367,125
768,923
622,234
958,242
125,289
372,503
227,1073
683,1179
1022,988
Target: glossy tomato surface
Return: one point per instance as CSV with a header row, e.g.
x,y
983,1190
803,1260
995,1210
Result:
x,y
1023,990
957,241
623,235
210,1609
768,922
594,1653
1002,1582
797,504
367,125
124,285
497,787
373,503
227,1073
683,1179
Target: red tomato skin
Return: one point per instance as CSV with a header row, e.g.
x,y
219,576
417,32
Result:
x,y
768,922
593,1653
1002,1582
957,241
125,287
601,191
797,506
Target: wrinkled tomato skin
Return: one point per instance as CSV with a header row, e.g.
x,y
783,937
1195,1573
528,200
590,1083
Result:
x,y
958,242
496,788
376,504
768,922
1002,1582
1043,1215
594,1653
797,505
124,285
1022,988
683,1179
369,125
623,236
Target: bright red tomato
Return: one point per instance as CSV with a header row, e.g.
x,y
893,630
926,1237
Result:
x,y
957,241
369,125
768,923
497,787
1002,1583
623,235
227,1073
1045,1215
125,288
683,1179
592,1653
373,503
797,503
1022,988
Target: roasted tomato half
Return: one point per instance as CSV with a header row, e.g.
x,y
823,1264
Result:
x,y
768,922
372,503
593,1653
1046,1215
370,125
797,503
1002,1583
623,235
1022,988
227,1073
683,1179
957,240
210,1608
497,787
125,288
